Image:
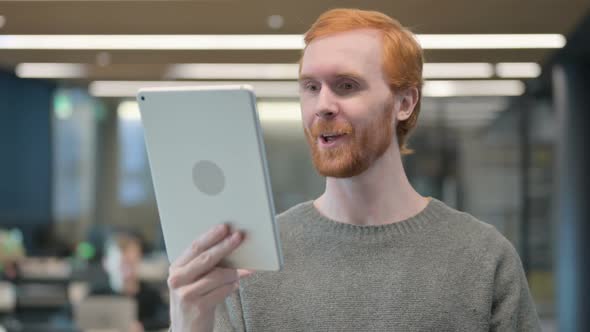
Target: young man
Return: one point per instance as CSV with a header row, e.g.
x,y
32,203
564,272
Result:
x,y
370,254
122,256
123,252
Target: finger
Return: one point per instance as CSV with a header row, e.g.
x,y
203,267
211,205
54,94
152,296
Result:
x,y
243,273
206,261
219,294
204,242
218,277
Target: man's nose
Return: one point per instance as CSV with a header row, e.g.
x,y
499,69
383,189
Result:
x,y
327,107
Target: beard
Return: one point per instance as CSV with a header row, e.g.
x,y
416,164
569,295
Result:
x,y
359,148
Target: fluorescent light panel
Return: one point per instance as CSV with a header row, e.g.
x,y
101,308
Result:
x,y
261,42
271,71
279,71
473,88
458,70
518,69
152,42
489,41
51,70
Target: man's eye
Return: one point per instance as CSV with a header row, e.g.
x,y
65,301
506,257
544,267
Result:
x,y
347,86
312,87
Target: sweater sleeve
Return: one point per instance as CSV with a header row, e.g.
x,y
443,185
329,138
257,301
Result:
x,y
229,316
513,308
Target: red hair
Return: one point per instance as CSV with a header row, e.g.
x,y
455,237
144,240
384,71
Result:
x,y
402,54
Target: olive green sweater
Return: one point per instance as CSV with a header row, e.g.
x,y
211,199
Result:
x,y
441,270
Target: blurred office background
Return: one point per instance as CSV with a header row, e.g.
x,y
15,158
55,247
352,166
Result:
x,y
501,132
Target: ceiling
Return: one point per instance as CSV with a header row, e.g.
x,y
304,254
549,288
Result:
x,y
250,17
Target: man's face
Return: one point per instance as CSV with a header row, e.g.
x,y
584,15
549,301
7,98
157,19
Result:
x,y
122,264
347,106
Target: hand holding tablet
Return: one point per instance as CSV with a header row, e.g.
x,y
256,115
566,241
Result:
x,y
208,166
197,285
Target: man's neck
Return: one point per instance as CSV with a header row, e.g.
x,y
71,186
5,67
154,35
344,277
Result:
x,y
380,195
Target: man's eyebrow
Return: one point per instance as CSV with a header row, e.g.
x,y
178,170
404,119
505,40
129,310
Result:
x,y
352,75
305,77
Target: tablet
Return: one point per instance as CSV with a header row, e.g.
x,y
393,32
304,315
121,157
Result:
x,y
208,166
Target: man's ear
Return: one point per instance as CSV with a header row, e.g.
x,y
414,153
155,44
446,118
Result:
x,y
408,98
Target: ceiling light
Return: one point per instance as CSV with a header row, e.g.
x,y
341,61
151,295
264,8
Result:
x,y
259,42
488,41
51,70
254,71
273,71
473,88
518,69
128,111
152,42
458,70
266,89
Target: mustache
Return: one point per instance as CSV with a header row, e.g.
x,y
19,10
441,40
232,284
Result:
x,y
322,126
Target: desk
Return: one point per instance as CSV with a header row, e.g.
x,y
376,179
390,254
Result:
x,y
45,268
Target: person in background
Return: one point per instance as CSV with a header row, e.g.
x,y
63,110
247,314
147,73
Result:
x,y
9,270
123,253
12,252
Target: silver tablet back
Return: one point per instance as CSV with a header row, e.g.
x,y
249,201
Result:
x,y
208,166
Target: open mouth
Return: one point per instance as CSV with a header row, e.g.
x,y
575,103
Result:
x,y
329,138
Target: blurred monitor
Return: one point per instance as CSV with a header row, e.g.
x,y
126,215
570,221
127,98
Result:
x,y
116,313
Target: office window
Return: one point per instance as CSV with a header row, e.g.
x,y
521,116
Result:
x,y
74,147
135,186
